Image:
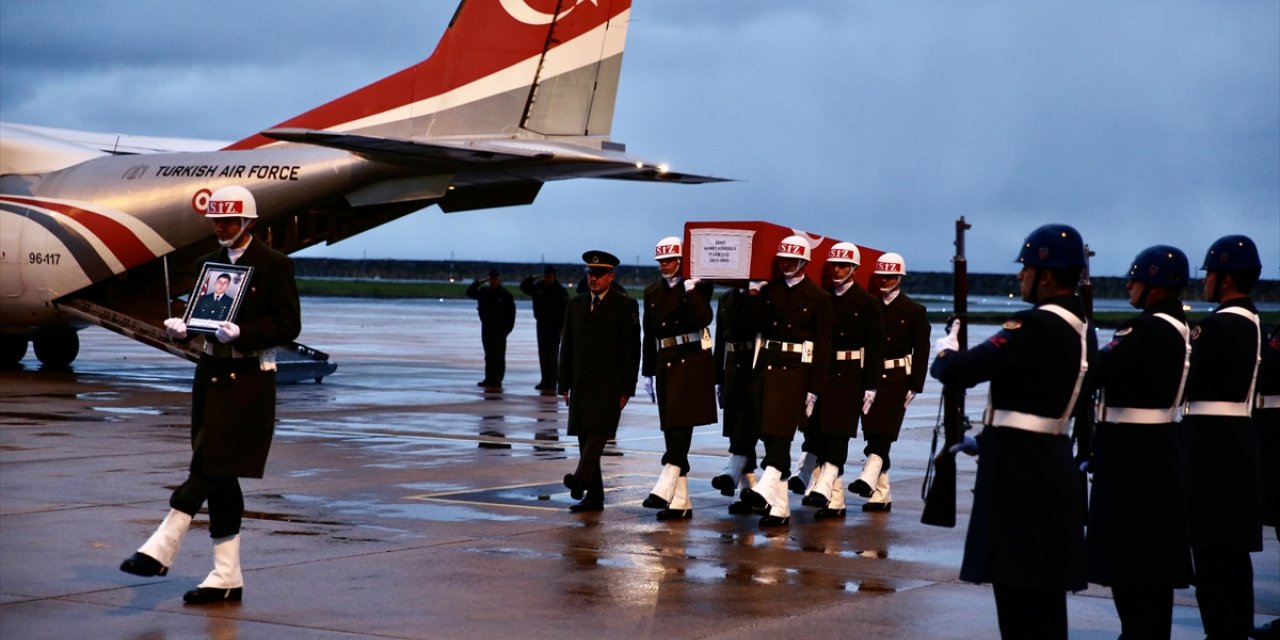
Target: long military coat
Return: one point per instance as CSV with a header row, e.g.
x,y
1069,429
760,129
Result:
x,y
856,326
685,373
906,333
233,405
736,326
599,361
796,314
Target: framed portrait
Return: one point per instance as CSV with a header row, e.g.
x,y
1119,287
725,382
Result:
x,y
216,298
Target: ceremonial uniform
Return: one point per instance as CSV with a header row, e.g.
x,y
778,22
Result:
x,y
212,306
232,402
1266,418
1138,541
734,351
906,358
599,361
1223,464
1026,528
677,356
549,300
497,310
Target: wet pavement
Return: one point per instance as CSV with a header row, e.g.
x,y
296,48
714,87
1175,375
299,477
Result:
x,y
402,501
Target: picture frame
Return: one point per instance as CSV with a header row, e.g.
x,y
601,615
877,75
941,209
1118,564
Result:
x,y
216,297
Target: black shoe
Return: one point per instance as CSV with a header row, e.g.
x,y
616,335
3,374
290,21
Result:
x,y
590,503
740,508
141,564
815,499
207,595
877,507
796,485
824,513
724,483
574,486
861,488
675,514
655,502
1268,631
754,499
773,521
482,383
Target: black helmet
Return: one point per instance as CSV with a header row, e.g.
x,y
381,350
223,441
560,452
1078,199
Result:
x,y
1232,253
1053,246
1161,265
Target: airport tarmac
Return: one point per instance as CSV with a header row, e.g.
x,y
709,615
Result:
x,y
402,501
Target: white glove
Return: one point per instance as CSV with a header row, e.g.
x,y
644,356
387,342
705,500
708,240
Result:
x,y
950,341
227,332
719,397
755,286
968,446
648,388
911,395
868,397
690,283
175,328
809,401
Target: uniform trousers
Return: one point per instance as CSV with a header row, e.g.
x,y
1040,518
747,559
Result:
x,y
678,443
744,444
226,502
590,450
879,445
1144,613
495,355
777,454
833,449
548,354
1224,591
1031,614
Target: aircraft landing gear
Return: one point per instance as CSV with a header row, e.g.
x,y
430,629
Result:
x,y
12,350
56,348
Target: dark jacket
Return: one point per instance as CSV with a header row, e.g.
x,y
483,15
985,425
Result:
x,y
233,400
736,329
599,361
906,334
549,300
496,307
685,373
857,326
797,314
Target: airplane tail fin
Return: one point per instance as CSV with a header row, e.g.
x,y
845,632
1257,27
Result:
x,y
502,67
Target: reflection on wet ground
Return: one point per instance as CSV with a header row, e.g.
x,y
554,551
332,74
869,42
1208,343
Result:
x,y
399,492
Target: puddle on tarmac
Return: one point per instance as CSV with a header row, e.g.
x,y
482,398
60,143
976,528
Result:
x,y
140,411
512,552
98,395
428,510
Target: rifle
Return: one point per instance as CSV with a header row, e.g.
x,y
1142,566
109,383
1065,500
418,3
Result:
x,y
1083,422
939,489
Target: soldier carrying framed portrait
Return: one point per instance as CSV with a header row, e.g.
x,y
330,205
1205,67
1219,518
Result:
x,y
216,297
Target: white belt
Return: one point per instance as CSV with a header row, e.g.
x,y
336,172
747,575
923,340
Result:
x,y
695,336
894,363
1211,408
223,351
778,345
852,354
738,346
1268,402
1132,415
1025,421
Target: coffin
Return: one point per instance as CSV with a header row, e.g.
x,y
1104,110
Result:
x,y
730,253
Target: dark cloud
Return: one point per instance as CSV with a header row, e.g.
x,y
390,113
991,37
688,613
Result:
x,y
1138,122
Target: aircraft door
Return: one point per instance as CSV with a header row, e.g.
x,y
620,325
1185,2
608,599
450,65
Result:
x,y
11,228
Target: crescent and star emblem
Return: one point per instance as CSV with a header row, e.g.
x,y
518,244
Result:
x,y
520,10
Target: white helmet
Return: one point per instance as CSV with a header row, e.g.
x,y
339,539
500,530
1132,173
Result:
x,y
846,252
794,247
231,201
891,264
668,247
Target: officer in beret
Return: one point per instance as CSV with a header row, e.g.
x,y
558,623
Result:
x,y
599,362
1026,532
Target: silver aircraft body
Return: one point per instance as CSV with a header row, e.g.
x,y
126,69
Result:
x,y
105,229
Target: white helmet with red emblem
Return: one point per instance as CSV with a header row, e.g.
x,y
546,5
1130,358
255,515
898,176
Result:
x,y
794,247
891,264
846,252
232,201
668,247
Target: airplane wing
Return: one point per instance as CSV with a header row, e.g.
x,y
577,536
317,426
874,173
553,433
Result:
x,y
539,159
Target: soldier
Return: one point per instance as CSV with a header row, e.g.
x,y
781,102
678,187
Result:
x,y
497,311
1026,533
736,391
677,353
1137,537
794,354
1222,463
906,353
1266,417
549,299
217,304
599,360
856,365
233,402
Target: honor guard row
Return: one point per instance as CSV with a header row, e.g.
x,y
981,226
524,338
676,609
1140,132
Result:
x,y
1155,523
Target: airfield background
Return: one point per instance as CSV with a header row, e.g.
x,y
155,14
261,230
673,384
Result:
x,y
449,279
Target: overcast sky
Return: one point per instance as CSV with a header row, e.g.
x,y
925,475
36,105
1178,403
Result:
x,y
877,122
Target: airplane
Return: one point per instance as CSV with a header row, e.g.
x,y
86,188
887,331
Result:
x,y
105,229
